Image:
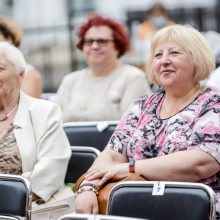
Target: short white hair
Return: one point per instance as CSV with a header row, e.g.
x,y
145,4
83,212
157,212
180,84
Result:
x,y
14,55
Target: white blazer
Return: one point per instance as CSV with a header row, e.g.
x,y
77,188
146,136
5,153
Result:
x,y
43,145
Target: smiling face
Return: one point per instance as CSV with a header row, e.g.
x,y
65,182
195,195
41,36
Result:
x,y
173,66
9,79
99,53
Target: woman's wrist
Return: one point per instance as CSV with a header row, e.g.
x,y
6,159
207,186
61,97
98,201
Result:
x,y
35,197
88,184
93,183
131,165
87,187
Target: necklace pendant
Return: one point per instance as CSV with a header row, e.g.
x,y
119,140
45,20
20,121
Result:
x,y
3,118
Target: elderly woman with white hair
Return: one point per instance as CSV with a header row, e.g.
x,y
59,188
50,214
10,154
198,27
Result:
x,y
32,141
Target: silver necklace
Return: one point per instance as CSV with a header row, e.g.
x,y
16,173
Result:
x,y
3,118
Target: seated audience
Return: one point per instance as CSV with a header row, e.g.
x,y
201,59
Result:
x,y
105,89
12,33
32,141
156,18
162,131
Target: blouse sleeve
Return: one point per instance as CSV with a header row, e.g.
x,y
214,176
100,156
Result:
x,y
206,131
125,129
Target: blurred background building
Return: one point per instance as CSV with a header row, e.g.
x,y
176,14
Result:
x,y
49,27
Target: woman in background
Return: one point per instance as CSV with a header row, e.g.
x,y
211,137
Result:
x,y
105,89
156,18
12,33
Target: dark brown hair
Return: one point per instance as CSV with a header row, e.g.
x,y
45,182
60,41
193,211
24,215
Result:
x,y
10,30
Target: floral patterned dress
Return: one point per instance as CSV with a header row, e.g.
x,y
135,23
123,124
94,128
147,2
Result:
x,y
142,134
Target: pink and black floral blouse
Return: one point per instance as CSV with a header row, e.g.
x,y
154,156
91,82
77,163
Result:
x,y
141,133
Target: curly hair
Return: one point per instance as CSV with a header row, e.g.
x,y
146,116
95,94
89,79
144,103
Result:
x,y
120,33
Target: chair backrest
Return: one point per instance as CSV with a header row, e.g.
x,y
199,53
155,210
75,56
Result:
x,y
94,217
93,134
162,200
15,197
80,161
